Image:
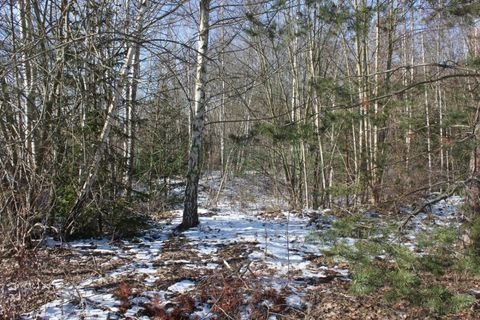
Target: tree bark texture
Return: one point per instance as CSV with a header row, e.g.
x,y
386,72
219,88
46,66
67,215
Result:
x,y
190,211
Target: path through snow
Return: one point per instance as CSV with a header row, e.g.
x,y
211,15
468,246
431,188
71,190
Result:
x,y
238,236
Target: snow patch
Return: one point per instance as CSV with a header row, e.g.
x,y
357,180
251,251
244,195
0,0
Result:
x,y
182,286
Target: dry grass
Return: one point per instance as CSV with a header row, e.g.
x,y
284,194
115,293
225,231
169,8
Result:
x,y
26,278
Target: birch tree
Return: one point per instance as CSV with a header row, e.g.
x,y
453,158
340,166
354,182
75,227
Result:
x,y
190,210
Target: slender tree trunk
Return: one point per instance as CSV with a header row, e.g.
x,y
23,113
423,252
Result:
x,y
427,120
319,172
28,75
105,133
473,190
376,103
356,145
221,116
365,127
296,146
439,102
190,210
474,186
130,121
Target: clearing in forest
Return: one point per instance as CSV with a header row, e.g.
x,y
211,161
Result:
x,y
249,259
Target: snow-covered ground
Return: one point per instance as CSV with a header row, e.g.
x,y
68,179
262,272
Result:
x,y
443,213
247,232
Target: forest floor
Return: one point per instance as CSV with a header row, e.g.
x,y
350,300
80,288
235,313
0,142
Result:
x,y
249,259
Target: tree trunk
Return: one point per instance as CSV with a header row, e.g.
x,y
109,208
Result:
x,y
28,74
104,135
190,210
427,119
474,186
130,121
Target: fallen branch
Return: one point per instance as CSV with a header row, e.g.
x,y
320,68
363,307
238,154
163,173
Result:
x,y
427,204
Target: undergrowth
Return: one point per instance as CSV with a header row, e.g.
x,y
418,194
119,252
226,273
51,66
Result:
x,y
379,265
224,295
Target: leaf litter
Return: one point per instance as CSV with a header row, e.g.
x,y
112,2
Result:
x,y
249,258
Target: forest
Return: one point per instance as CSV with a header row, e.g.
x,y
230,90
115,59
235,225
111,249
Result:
x,y
240,159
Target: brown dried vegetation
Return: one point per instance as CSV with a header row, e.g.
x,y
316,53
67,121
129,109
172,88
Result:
x,y
123,293
26,278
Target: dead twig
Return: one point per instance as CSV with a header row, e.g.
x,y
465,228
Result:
x,y
343,209
427,204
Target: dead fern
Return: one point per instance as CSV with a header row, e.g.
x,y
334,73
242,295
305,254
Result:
x,y
185,305
123,293
155,310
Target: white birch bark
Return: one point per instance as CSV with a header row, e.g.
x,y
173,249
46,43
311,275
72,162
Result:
x,y
427,118
375,93
28,73
405,81
221,116
130,109
129,119
438,103
190,210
